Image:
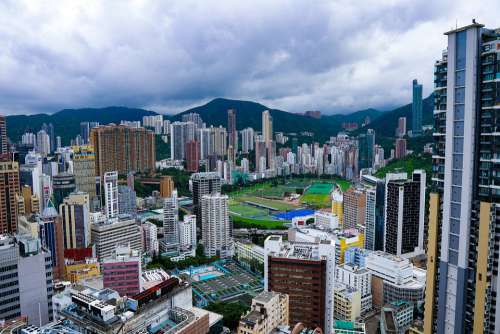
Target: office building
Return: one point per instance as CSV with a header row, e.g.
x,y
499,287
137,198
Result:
x,y
75,213
127,201
52,237
394,279
26,280
193,156
84,169
4,145
63,184
123,149
171,222
354,201
346,302
216,229
122,271
310,287
416,109
9,187
374,189
462,254
108,234
404,214
203,184
358,278
366,143
268,311
110,183
166,186
247,140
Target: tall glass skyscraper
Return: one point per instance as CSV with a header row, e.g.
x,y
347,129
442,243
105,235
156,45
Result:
x,y
416,109
464,212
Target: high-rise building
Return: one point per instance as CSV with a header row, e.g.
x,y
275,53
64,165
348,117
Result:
x,y
306,273
187,233
180,134
75,213
127,201
9,187
203,184
404,214
110,183
216,229
52,237
268,311
123,149
358,278
63,184
42,143
193,156
247,140
26,280
400,148
401,129
366,143
122,271
267,126
166,186
171,222
193,118
4,146
108,234
232,132
374,213
464,217
150,238
354,209
260,154
416,108
84,169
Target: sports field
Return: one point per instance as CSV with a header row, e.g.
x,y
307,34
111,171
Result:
x,y
266,205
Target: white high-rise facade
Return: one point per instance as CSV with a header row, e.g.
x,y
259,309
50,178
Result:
x,y
247,139
170,222
216,229
187,233
42,143
111,194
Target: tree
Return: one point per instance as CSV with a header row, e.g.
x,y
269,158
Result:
x,y
231,312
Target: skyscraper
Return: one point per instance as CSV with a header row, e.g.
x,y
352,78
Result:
x,y
63,184
192,156
9,187
52,237
464,217
366,142
374,213
404,214
180,134
4,147
126,201
354,209
42,143
216,229
123,149
416,109
84,169
247,140
75,213
232,132
194,118
110,183
401,129
203,184
267,126
400,148
170,223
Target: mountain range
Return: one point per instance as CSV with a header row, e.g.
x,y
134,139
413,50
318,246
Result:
x,y
248,114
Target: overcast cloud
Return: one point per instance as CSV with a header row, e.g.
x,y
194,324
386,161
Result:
x,y
333,56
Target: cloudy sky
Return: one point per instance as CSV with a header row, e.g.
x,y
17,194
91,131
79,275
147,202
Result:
x,y
333,56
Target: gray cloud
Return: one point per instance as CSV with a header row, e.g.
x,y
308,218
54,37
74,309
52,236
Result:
x,y
334,56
